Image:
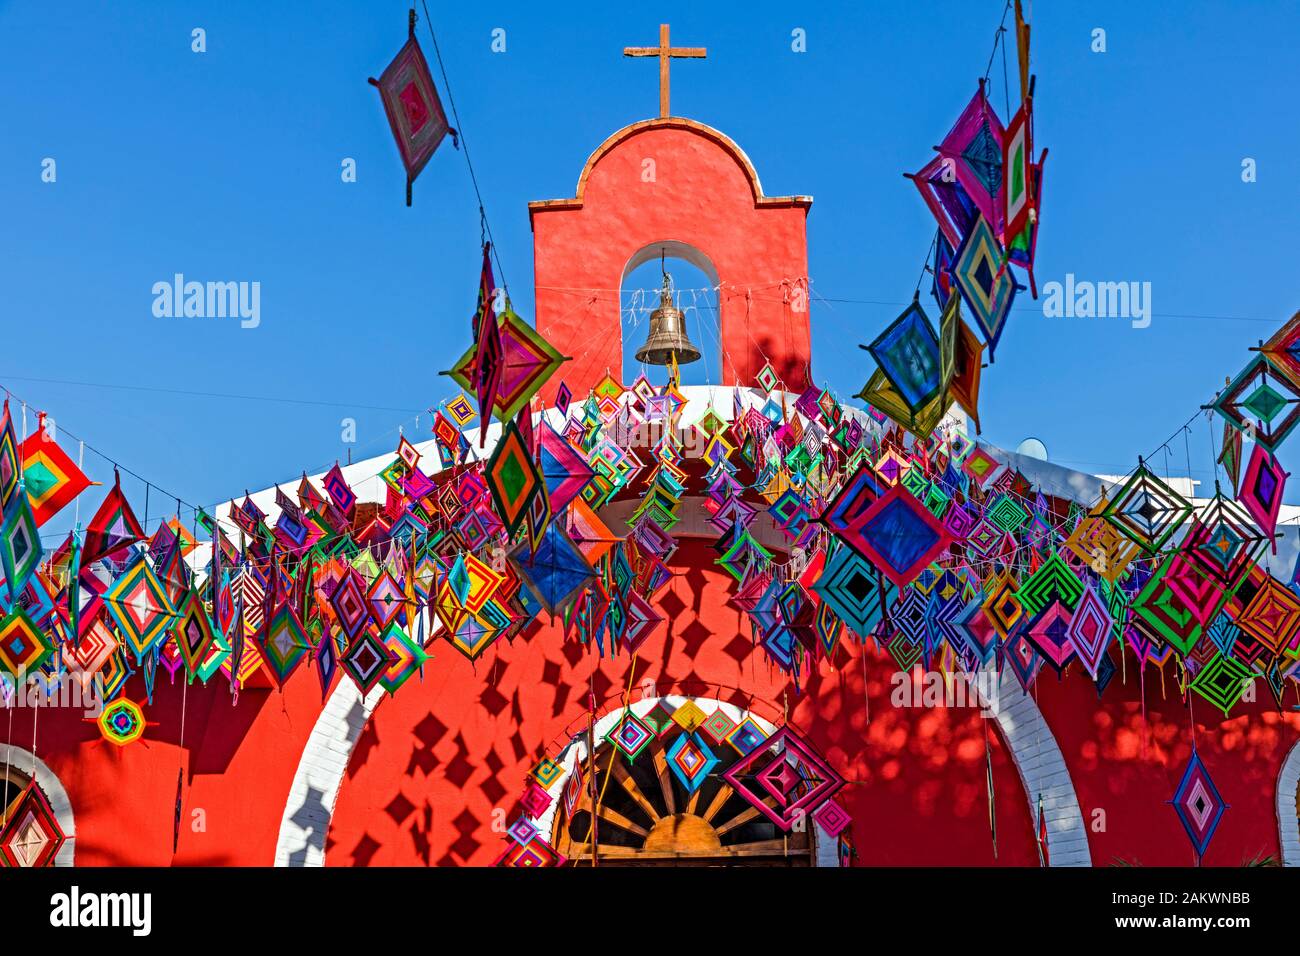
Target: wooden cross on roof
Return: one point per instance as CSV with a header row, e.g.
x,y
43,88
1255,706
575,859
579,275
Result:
x,y
665,51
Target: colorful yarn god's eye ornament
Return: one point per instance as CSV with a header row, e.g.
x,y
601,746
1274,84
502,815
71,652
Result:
x,y
122,722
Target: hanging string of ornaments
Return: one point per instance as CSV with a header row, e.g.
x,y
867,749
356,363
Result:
x,y
886,526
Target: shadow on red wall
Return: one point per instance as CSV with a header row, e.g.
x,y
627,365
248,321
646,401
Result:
x,y
437,773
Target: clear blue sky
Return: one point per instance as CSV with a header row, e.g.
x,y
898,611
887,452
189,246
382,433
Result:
x,y
225,166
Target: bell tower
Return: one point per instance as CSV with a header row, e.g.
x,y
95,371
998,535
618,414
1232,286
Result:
x,y
678,184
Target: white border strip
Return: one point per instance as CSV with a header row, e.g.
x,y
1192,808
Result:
x,y
315,788
1043,772
1288,825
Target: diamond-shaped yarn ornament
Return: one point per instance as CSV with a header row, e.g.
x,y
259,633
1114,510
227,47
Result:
x,y
898,535
1147,510
31,837
784,778
630,735
1198,803
691,761
1261,401
1223,681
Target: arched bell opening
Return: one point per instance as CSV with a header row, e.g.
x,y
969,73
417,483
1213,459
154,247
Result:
x,y
668,301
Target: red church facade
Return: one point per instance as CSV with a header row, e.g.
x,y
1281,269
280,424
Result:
x,y
432,775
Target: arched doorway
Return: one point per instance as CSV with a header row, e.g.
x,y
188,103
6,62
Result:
x,y
671,805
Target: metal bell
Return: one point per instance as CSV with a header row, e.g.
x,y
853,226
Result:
x,y
667,334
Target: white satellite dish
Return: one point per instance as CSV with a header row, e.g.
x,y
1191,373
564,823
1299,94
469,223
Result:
x,y
1032,448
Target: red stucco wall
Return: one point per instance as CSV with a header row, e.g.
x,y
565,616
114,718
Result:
x,y
1103,747
438,760
239,763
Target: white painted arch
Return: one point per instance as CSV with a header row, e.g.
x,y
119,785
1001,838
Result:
x,y
1288,826
324,761
24,761
1042,770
